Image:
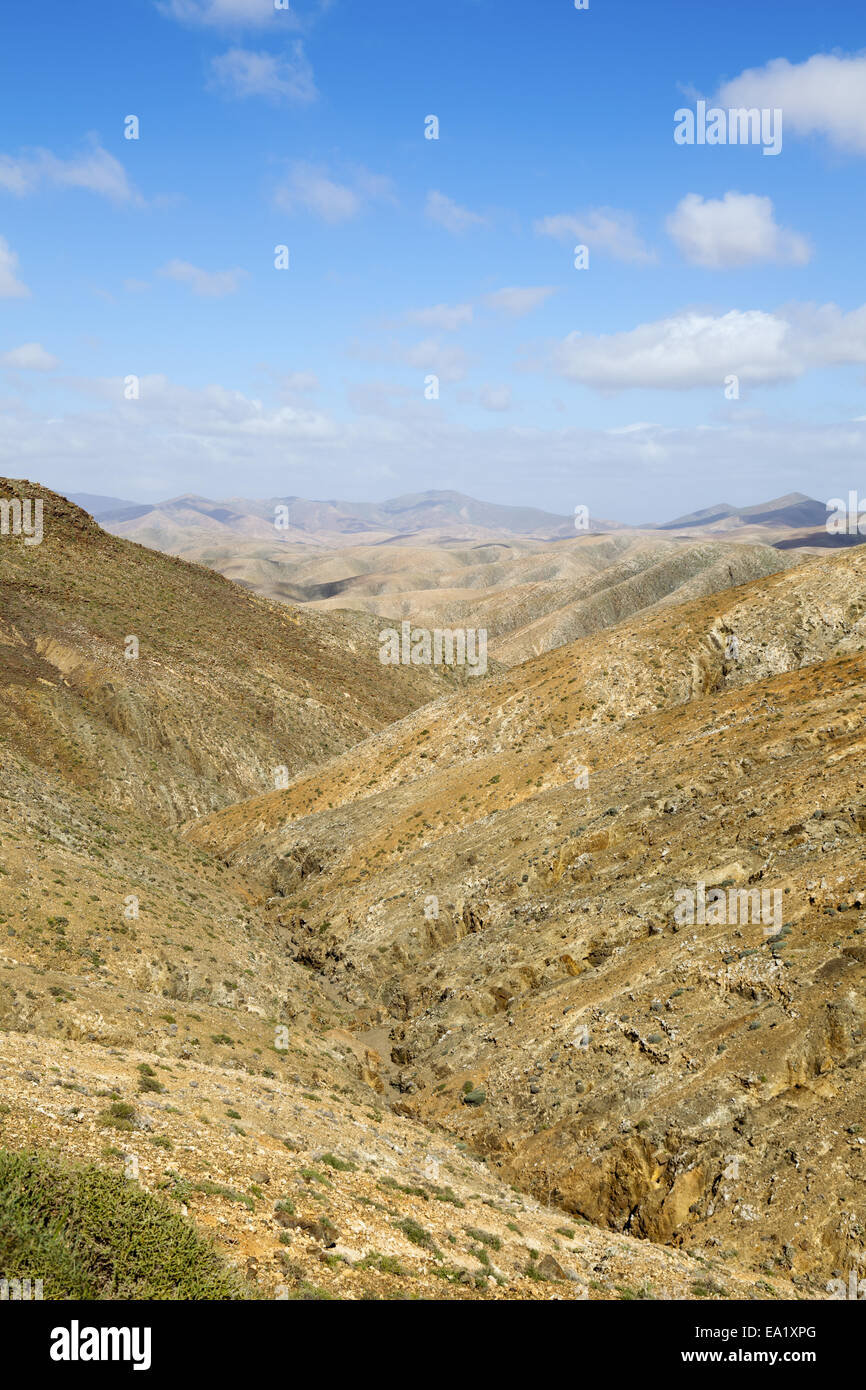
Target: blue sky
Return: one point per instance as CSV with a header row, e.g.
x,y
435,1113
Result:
x,y
409,257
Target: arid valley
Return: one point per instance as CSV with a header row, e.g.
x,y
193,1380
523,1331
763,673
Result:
x,y
380,973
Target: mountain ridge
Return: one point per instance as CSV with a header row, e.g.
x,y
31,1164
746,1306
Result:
x,y
794,510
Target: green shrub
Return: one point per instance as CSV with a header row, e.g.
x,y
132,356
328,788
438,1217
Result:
x,y
476,1096
484,1237
343,1165
90,1235
119,1115
218,1189
413,1231
149,1083
386,1264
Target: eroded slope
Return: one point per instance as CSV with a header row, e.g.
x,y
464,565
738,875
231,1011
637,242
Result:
x,y
498,925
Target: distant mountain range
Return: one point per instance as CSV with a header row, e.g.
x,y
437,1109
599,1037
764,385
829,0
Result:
x,y
444,516
795,509
451,515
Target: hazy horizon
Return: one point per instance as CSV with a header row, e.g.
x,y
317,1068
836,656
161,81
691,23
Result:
x,y
75,494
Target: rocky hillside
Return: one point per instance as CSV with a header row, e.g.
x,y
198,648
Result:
x,y
493,887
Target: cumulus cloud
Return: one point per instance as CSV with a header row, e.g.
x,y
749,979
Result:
x,y
210,284
312,187
608,230
10,286
825,95
450,215
738,229
446,317
95,170
276,77
29,357
517,301
697,349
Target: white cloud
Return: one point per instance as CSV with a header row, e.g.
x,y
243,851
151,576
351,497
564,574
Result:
x,y
450,215
694,349
518,301
312,189
243,73
311,186
225,444
29,357
10,286
738,229
601,229
208,412
210,284
446,317
825,95
96,170
496,398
